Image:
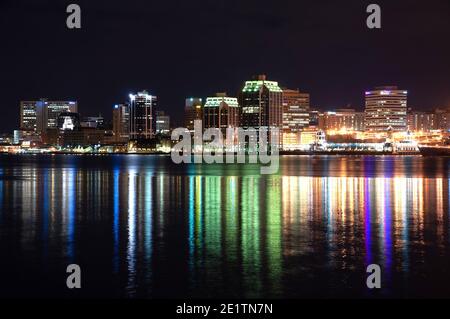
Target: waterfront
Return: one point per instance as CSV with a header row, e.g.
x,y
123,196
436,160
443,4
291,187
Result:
x,y
143,227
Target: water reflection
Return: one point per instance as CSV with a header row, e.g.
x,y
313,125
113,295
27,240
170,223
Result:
x,y
224,231
131,248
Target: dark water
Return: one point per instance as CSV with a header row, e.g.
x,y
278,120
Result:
x,y
141,226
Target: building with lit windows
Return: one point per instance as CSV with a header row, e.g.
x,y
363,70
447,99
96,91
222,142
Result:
x,y
54,109
341,121
142,106
386,110
193,110
93,122
295,110
43,114
221,112
295,97
421,121
295,118
162,123
261,104
121,123
28,116
442,119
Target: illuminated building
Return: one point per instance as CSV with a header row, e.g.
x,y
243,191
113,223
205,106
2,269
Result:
x,y
20,136
5,139
295,118
28,116
93,122
442,119
291,141
142,106
295,97
48,112
43,114
314,116
295,110
193,111
386,109
311,135
221,112
261,104
421,121
162,123
85,136
121,123
342,120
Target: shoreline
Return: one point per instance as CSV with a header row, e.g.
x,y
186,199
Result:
x,y
281,153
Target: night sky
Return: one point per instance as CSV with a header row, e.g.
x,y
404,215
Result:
x,y
178,49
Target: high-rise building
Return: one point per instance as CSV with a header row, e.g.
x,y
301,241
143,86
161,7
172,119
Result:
x,y
193,111
162,123
342,120
314,116
28,116
121,123
142,106
43,114
386,109
295,118
261,104
221,112
442,119
421,121
52,109
295,97
295,110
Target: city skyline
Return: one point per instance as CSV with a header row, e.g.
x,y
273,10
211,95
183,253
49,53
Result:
x,y
181,119
140,125
325,50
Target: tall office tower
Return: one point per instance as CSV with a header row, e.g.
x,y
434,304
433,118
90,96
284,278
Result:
x,y
221,112
121,122
295,97
28,116
162,123
421,121
43,114
261,104
386,109
314,116
295,118
341,120
193,110
295,110
54,108
142,106
442,119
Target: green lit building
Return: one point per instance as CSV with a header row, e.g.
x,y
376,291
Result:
x,y
262,104
221,112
